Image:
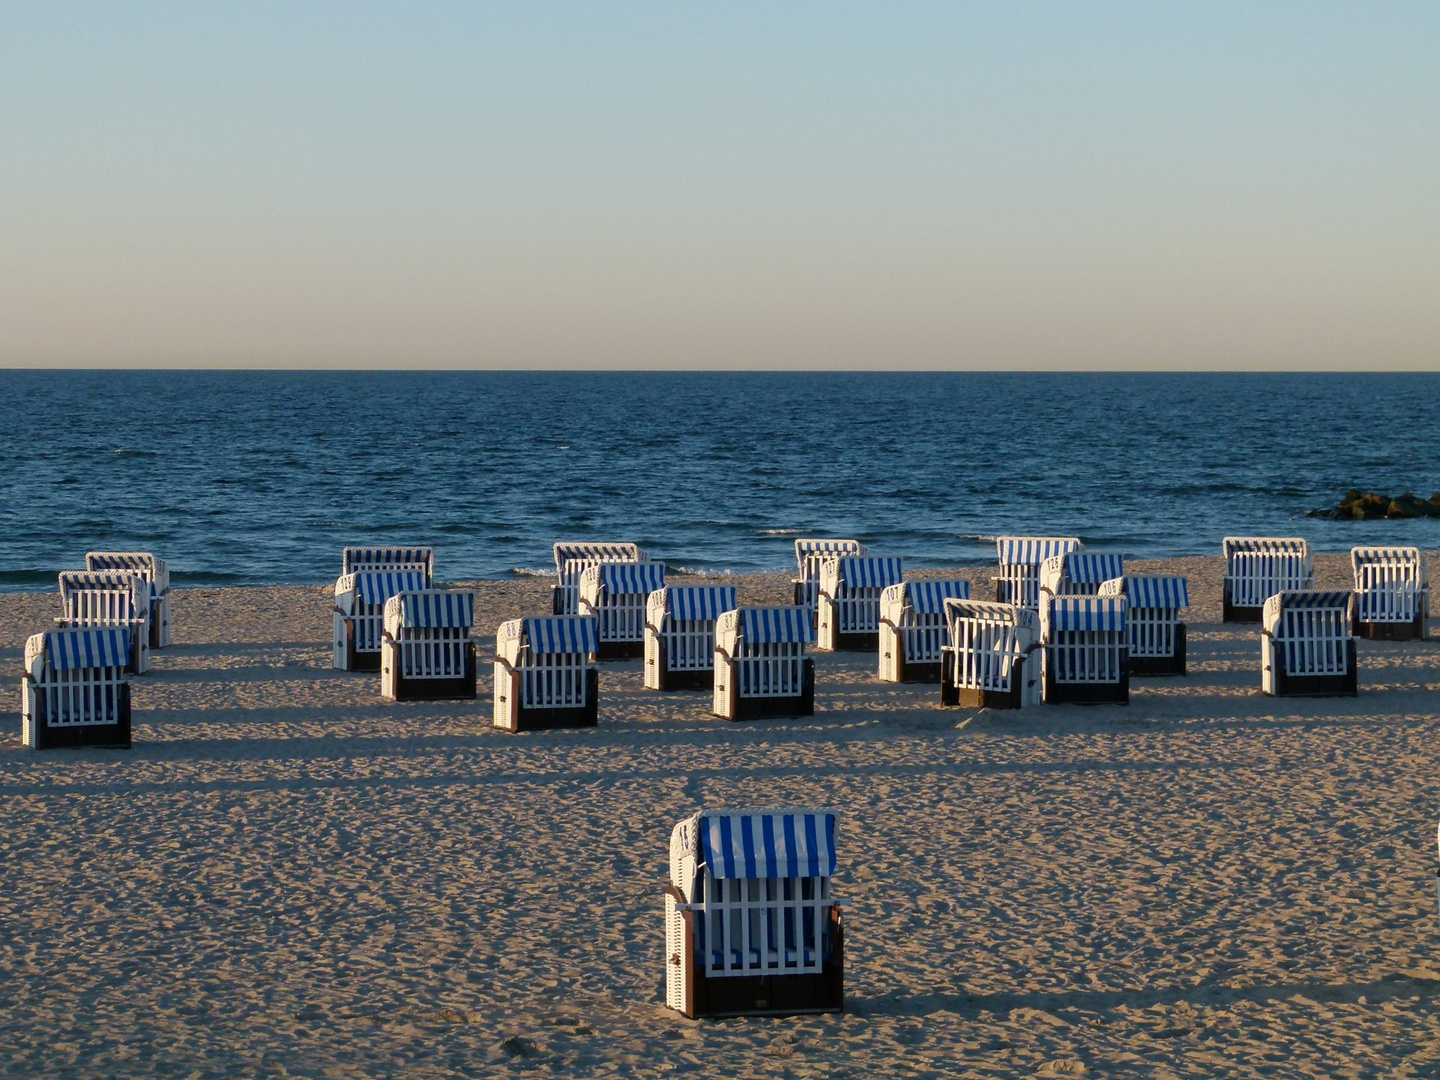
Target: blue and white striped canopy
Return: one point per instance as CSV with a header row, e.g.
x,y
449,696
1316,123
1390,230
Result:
x,y
1150,591
630,578
355,559
69,650
434,609
1087,612
928,597
870,572
768,845
560,634
697,603
804,549
1264,545
377,586
619,552
74,580
1401,556
1032,550
776,625
1091,568
1294,599
139,562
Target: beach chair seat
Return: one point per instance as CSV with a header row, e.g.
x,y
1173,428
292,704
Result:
x,y
993,658
680,635
1307,645
1152,619
156,573
1258,567
426,653
1392,592
1079,573
109,598
544,675
359,614
913,629
848,606
1020,559
1086,648
761,669
810,555
74,690
615,593
571,561
752,923
420,560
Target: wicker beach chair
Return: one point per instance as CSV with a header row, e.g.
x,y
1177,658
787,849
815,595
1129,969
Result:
x,y
1152,619
1392,592
993,658
1079,573
1258,567
615,594
544,675
1020,559
73,691
109,598
810,555
680,635
1086,647
156,573
571,561
848,606
761,669
420,560
426,652
359,615
752,923
913,628
1307,647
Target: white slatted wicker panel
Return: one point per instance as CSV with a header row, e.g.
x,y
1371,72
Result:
x,y
689,644
433,652
1314,641
770,669
81,697
1151,631
1258,567
1086,656
924,638
1391,584
985,652
552,681
764,926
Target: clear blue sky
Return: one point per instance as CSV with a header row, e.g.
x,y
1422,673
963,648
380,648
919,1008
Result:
x,y
946,185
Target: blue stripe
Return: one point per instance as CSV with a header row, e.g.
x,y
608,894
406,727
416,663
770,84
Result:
x,y
812,863
792,845
727,848
747,840
767,829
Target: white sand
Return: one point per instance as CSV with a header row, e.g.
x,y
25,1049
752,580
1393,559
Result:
x,y
287,876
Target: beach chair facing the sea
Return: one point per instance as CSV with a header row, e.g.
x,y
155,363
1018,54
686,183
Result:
x,y
571,560
420,560
680,635
761,669
1258,567
615,593
1306,647
359,619
913,629
1152,618
109,598
848,604
752,924
1086,647
810,555
993,658
73,691
1020,559
1392,592
426,652
1079,573
544,677
156,573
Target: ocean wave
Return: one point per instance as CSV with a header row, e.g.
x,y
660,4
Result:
x,y
779,532
531,571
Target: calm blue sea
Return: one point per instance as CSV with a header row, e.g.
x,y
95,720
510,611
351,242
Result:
x,y
262,477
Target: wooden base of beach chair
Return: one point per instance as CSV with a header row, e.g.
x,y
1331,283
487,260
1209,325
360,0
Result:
x,y
854,643
1391,631
1116,693
355,660
394,686
966,697
620,650
1232,613
1173,664
773,708
538,719
1346,685
907,672
685,680
38,734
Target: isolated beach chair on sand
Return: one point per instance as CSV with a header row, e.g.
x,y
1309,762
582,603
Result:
x,y
680,635
848,605
571,561
1306,645
73,691
1152,619
156,573
359,618
810,555
1392,592
544,677
993,658
1020,559
761,669
1086,650
615,594
1258,567
1079,573
420,560
426,652
913,628
752,924
109,598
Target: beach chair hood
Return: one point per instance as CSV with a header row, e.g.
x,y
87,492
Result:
x,y
75,649
429,609
1150,591
1033,550
752,844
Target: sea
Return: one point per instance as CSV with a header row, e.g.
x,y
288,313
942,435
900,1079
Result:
x,y
261,477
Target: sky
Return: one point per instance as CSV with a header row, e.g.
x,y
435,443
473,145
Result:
x,y
960,185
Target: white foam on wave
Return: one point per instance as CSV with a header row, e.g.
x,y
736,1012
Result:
x,y
778,532
531,571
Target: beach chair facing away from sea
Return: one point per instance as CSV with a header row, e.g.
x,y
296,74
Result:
x,y
1152,619
993,658
1258,567
544,675
571,560
810,555
73,691
360,600
1306,645
848,604
421,560
427,652
1020,559
913,628
1086,648
680,635
109,598
615,593
156,573
1079,573
1392,592
752,924
761,669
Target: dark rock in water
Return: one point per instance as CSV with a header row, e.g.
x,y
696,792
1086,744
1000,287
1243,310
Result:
x,y
1368,506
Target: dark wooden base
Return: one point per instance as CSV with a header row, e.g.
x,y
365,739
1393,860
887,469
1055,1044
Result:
x,y
916,673
461,689
354,659
620,650
687,680
557,600
775,708
1116,693
111,735
772,995
1161,665
964,697
1391,631
1346,685
584,716
857,642
1231,613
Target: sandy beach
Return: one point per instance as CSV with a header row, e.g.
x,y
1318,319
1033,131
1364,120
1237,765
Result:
x,y
287,876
